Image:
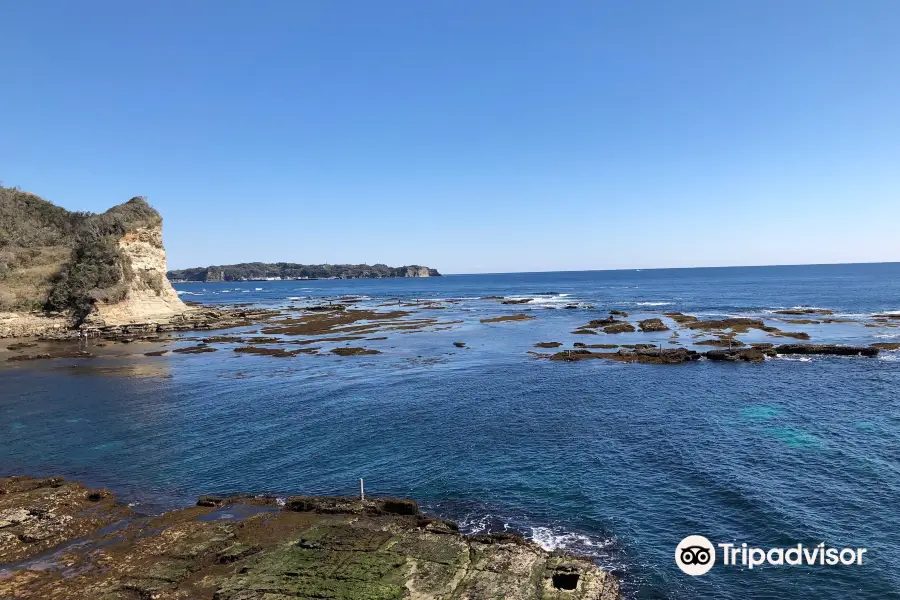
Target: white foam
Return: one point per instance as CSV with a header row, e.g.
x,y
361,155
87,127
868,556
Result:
x,y
793,358
186,293
653,303
553,538
887,336
258,289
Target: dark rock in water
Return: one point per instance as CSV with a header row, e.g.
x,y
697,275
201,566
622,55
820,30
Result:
x,y
58,354
619,327
353,351
517,301
887,346
548,345
459,344
652,325
156,353
743,354
326,307
276,352
724,342
738,325
601,323
24,357
618,313
887,316
508,318
681,318
805,311
798,335
223,339
647,356
827,349
20,346
200,349
210,501
605,346
584,331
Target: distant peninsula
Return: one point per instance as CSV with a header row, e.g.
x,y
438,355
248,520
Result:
x,y
258,271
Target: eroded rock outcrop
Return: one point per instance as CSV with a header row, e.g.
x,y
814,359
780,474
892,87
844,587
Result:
x,y
61,269
148,295
246,547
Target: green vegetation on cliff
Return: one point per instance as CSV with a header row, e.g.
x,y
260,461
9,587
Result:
x,y
284,270
54,259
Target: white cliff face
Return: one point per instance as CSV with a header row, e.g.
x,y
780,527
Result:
x,y
417,272
150,296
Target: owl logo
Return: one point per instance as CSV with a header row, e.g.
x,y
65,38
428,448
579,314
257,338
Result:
x,y
695,555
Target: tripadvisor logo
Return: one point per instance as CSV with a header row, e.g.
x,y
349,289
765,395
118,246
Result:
x,y
696,555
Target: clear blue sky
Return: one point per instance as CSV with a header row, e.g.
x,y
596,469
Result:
x,y
471,136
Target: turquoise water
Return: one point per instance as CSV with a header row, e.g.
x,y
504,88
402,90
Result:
x,y
618,461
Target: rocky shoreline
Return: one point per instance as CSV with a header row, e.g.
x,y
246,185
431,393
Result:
x,y
306,328
59,539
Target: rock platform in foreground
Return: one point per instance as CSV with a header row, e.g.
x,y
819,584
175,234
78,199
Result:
x,y
245,548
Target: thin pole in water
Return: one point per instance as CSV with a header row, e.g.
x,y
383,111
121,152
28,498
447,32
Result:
x,y
362,493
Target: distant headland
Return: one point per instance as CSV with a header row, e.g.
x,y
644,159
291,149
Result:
x,y
258,271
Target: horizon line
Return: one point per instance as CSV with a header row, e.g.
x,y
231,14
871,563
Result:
x,y
836,264
442,274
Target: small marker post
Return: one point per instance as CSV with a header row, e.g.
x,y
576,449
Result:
x,y
362,493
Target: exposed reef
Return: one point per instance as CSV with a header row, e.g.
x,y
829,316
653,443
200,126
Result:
x,y
652,325
248,547
647,356
827,349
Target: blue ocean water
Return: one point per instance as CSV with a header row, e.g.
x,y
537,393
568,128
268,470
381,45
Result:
x,y
617,461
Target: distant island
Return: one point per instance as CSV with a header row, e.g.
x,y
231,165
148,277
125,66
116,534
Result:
x,y
283,271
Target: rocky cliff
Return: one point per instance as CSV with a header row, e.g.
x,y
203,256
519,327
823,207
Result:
x,y
149,295
60,269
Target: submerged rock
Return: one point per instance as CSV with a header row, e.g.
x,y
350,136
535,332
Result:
x,y
548,345
344,351
508,318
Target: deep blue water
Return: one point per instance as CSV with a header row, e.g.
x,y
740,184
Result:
x,y
618,461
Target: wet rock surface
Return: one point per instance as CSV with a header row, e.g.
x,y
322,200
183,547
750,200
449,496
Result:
x,y
245,547
656,356
652,325
826,349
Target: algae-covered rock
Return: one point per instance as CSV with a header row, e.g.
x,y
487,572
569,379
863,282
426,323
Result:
x,y
338,548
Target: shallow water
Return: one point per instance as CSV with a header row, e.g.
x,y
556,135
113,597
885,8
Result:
x,y
619,461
